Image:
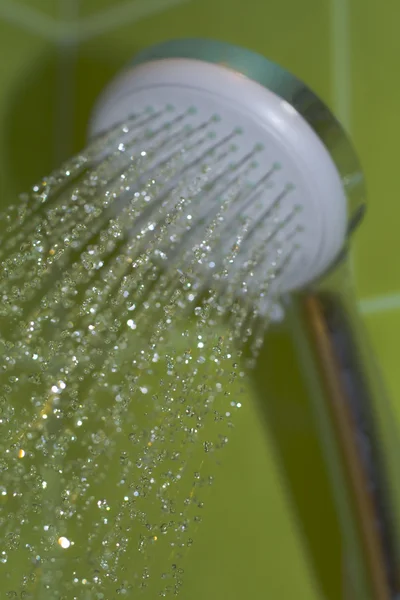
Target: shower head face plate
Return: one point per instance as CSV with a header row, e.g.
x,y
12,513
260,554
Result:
x,y
253,141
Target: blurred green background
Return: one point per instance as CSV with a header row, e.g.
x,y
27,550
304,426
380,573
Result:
x,y
57,55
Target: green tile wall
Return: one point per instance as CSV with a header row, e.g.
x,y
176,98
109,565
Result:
x,y
49,7
26,108
376,117
55,59
94,7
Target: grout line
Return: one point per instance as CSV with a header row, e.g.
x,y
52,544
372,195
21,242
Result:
x,y
29,19
79,30
380,304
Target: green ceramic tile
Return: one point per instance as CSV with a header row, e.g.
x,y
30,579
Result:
x,y
27,98
95,7
376,118
384,331
48,7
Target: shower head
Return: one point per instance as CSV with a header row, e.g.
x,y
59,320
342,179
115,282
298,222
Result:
x,y
304,186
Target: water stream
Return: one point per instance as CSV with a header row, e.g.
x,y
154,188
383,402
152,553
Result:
x,y
131,280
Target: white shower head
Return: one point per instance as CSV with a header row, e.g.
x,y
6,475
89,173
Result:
x,y
298,195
